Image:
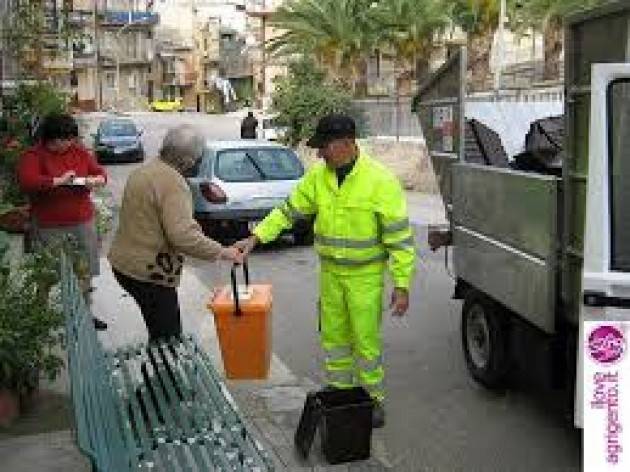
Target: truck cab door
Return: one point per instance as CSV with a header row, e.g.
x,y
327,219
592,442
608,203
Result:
x,y
603,379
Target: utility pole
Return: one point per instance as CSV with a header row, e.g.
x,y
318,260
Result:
x,y
264,54
118,50
500,47
98,92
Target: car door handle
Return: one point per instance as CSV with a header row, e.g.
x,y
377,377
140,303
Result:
x,y
601,300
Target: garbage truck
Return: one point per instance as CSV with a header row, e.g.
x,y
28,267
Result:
x,y
537,251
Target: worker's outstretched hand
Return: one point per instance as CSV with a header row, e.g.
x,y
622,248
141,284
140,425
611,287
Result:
x,y
400,302
246,245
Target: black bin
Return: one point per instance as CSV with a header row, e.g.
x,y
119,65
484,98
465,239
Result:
x,y
345,421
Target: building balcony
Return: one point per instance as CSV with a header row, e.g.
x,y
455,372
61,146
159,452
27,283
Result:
x,y
180,79
83,61
211,56
79,18
260,8
51,42
135,18
109,60
60,62
236,66
177,82
83,5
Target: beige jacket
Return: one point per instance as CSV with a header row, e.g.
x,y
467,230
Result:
x,y
156,227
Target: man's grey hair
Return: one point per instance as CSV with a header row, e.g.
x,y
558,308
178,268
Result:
x,y
182,146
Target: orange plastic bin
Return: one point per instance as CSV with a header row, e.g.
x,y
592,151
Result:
x,y
242,316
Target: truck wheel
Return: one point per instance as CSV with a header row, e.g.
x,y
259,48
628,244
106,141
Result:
x,y
484,340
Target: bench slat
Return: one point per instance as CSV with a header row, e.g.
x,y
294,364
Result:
x,y
151,407
186,422
125,380
167,411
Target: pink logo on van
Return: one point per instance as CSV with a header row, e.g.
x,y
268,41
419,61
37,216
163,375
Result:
x,y
606,344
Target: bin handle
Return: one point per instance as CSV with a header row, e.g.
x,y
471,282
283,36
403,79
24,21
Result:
x,y
237,304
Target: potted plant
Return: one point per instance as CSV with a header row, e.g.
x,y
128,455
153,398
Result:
x,y
18,130
14,219
30,328
104,215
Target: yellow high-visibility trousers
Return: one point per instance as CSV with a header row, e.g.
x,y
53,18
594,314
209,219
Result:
x,y
350,323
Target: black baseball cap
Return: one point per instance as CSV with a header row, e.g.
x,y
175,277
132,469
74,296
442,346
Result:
x,y
331,127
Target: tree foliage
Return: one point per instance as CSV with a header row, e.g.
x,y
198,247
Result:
x,y
30,325
21,112
342,34
410,28
547,16
305,95
29,26
338,33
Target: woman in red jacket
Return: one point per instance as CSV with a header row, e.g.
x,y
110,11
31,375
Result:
x,y
58,175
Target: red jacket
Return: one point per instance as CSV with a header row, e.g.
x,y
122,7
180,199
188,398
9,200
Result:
x,y
57,206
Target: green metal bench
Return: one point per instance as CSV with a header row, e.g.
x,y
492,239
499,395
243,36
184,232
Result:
x,y
151,407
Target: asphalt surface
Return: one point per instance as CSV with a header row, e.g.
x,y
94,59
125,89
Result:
x,y
438,418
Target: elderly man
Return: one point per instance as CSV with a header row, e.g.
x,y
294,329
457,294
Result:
x,y
156,229
361,223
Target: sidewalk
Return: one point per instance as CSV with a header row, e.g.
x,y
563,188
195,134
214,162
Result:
x,y
425,209
271,408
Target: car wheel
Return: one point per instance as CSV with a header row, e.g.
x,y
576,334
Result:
x,y
485,331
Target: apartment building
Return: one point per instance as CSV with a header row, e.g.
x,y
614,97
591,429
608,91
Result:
x,y
113,52
265,68
175,75
207,58
214,30
42,53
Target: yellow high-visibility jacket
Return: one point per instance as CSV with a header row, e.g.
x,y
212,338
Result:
x,y
359,226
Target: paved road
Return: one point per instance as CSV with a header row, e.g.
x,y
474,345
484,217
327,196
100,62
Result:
x,y
438,419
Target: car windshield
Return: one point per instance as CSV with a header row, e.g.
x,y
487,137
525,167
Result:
x,y
118,128
256,165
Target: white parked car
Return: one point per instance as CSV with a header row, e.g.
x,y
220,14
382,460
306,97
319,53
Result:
x,y
240,182
270,130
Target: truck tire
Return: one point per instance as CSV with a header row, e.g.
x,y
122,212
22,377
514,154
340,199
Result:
x,y
485,340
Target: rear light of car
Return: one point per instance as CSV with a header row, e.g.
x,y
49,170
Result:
x,y
212,192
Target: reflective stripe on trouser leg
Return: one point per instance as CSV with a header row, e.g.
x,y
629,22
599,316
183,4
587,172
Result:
x,y
339,367
364,296
336,333
371,375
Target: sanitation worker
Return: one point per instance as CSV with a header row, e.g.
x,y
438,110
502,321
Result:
x,y
361,229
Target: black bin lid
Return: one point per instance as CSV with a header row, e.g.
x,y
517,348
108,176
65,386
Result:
x,y
305,433
317,404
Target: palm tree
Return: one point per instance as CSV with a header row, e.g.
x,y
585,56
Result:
x,y
409,28
337,33
547,16
479,19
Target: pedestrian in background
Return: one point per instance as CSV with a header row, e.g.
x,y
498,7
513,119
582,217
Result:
x,y
249,126
156,230
58,174
361,224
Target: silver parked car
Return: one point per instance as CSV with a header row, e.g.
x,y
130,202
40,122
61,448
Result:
x,y
240,182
